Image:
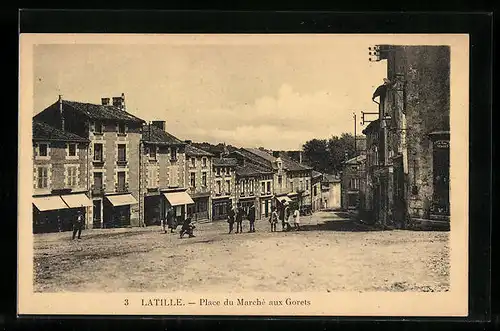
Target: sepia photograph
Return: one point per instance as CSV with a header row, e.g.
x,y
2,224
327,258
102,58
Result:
x,y
244,174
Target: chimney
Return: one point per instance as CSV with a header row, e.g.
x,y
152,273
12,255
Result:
x,y
61,112
300,157
159,124
276,153
105,101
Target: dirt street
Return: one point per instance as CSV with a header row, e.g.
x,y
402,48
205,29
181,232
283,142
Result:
x,y
331,254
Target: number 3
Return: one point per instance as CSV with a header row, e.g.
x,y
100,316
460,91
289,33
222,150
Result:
x,y
126,302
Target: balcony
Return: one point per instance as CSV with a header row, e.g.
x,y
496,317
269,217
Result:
x,y
97,190
98,161
121,188
122,163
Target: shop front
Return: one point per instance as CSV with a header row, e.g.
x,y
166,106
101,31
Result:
x,y
153,209
220,208
117,210
246,203
179,201
265,207
199,210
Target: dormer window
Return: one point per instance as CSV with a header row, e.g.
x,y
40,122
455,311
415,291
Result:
x,y
173,153
43,149
71,149
152,152
98,127
121,128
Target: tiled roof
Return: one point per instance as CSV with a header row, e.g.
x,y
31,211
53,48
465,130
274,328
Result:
x,y
193,151
372,126
251,169
96,111
356,159
291,165
153,134
225,161
263,154
43,131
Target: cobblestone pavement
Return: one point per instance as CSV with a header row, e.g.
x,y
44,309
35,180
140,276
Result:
x,y
332,253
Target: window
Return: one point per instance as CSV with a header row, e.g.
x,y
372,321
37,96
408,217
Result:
x,y
263,188
291,184
219,187
121,181
98,152
204,179
354,183
217,171
152,152
71,149
173,176
227,171
121,128
307,184
71,180
173,153
315,190
250,184
301,185
193,162
98,127
122,153
228,187
193,179
152,177
280,181
98,180
43,149
242,187
42,177
268,187
204,162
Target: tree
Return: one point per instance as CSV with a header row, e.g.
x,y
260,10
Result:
x,y
340,150
316,151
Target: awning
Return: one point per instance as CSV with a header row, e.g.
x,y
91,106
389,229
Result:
x,y
280,199
49,203
178,198
121,199
77,200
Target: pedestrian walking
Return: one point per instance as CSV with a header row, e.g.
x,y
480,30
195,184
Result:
x,y
282,214
77,225
239,220
251,218
296,219
273,219
187,228
230,218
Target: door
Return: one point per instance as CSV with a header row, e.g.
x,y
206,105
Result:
x,y
97,214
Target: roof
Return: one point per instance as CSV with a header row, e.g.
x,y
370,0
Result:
x,y
263,154
330,178
251,170
356,159
373,125
291,165
316,174
96,111
225,161
194,151
159,136
43,131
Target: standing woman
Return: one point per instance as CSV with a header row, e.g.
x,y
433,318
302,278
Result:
x,y
171,219
296,219
230,218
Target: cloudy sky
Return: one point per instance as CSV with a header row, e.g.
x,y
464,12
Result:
x,y
276,92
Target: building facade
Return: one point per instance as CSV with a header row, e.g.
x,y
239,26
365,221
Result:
x,y
352,173
316,196
163,175
60,186
199,179
114,136
223,186
411,180
330,192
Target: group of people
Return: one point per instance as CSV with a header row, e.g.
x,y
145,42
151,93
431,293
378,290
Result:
x,y
288,215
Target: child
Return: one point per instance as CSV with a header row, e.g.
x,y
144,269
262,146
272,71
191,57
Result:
x,y
273,219
296,219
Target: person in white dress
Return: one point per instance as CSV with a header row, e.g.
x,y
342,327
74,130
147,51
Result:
x,y
296,219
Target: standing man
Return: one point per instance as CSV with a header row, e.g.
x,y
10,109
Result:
x,y
273,219
251,218
239,220
230,218
77,225
282,214
171,220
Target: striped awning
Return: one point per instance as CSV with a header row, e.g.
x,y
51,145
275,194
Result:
x,y
53,202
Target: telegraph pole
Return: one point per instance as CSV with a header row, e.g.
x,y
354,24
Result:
x,y
355,150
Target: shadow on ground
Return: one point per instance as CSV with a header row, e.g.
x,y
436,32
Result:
x,y
339,225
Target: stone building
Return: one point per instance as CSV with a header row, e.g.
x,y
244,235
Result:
x,y
352,173
199,179
114,136
223,186
163,174
60,186
316,179
330,192
411,181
